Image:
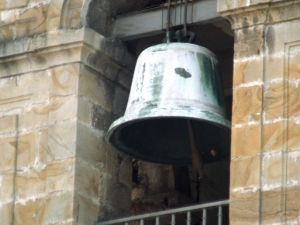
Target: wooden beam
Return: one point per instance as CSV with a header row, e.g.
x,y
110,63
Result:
x,y
154,21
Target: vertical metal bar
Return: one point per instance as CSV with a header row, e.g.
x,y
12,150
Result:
x,y
173,222
142,222
220,215
204,217
157,221
126,223
188,219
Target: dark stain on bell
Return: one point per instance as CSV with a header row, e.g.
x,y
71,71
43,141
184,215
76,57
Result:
x,y
182,72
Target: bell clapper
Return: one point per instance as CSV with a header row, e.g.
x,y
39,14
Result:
x,y
197,160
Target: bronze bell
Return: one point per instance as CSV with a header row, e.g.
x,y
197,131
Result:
x,y
173,82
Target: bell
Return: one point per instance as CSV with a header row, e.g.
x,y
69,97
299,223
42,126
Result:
x,y
173,82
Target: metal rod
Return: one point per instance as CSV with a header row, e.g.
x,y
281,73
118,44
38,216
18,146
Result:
x,y
165,212
173,222
142,222
204,217
220,215
126,223
185,19
157,220
168,35
169,15
188,218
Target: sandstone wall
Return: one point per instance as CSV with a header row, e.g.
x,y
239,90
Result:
x,y
265,150
61,86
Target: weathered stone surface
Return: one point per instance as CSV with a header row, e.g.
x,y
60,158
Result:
x,y
273,136
102,119
274,100
247,104
292,205
293,100
245,175
248,71
271,171
62,140
293,174
88,179
6,189
271,206
84,110
52,209
246,140
249,42
8,124
6,213
244,208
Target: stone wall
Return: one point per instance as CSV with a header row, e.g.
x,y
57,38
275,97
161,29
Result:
x,y
264,185
61,86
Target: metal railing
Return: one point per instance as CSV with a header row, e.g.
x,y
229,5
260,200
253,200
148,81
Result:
x,y
171,213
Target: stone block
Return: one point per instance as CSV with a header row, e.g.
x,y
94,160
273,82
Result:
x,y
245,140
30,118
8,153
90,144
22,90
274,67
293,169
6,188
247,104
82,205
249,42
294,65
96,89
84,110
245,175
31,21
271,171
18,151
292,202
293,104
16,4
53,14
7,32
7,16
8,124
51,209
42,152
6,213
2,5
271,206
102,119
59,175
62,140
248,71
64,80
88,179
61,108
120,100
274,100
244,208
125,79
26,149
273,136
30,184
293,132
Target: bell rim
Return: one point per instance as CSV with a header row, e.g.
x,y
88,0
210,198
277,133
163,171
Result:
x,y
133,118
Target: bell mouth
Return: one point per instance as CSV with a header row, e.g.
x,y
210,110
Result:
x,y
163,137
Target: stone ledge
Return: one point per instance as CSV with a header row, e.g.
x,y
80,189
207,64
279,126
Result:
x,y
63,47
243,14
